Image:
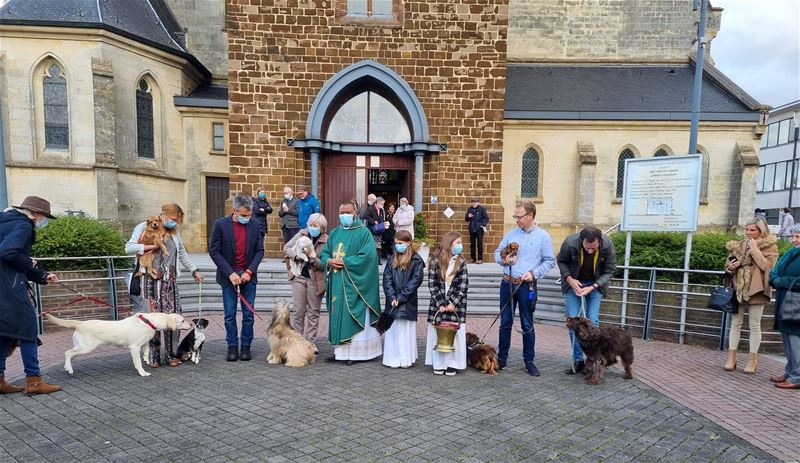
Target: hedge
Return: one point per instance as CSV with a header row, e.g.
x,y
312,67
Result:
x,y
74,236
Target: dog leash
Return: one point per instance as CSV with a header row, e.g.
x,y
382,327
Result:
x,y
510,299
582,313
82,297
247,304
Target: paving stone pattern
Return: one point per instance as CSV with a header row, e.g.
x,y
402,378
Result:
x,y
251,411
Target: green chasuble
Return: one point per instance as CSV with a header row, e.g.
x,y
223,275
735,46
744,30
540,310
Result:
x,y
354,288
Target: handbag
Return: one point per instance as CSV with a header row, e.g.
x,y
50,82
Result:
x,y
385,320
378,228
723,297
790,309
133,282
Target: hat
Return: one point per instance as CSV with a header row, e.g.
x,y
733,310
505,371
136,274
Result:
x,y
36,204
474,199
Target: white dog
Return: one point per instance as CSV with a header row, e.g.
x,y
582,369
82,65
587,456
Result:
x,y
286,344
132,332
301,246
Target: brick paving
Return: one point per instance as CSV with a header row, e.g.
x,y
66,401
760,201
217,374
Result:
x,y
681,407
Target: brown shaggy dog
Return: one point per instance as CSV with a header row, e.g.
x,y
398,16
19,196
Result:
x,y
153,234
286,344
481,356
510,250
602,345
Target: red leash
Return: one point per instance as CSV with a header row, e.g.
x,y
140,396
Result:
x,y
83,297
247,304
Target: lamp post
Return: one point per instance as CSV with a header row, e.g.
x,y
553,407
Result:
x,y
796,119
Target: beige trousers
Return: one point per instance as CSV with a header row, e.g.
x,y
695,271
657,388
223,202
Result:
x,y
305,318
754,313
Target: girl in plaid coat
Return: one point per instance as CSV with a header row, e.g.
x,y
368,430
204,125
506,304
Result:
x,y
448,283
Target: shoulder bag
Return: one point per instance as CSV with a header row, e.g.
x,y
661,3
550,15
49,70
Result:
x,y
790,309
723,296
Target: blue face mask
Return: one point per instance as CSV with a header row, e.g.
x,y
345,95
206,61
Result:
x,y
346,220
262,195
457,249
314,231
42,223
401,248
170,223
242,220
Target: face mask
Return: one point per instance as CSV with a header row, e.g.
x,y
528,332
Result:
x,y
287,196
403,204
262,195
457,249
242,220
400,247
314,231
170,223
346,220
370,202
42,223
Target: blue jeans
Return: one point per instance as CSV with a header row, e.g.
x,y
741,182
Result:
x,y
526,309
30,356
574,309
230,300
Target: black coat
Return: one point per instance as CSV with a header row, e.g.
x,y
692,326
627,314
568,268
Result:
x,y
17,313
480,218
222,249
261,208
403,285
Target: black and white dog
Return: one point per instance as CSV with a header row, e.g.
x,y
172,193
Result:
x,y
192,344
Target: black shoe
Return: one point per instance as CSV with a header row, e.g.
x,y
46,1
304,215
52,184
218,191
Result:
x,y
330,359
501,364
245,355
577,367
233,354
450,372
349,363
532,370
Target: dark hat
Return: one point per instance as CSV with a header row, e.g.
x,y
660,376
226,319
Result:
x,y
36,204
474,199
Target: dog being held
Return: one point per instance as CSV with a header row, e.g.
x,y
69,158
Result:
x,y
285,344
511,250
481,356
602,345
192,344
133,332
153,234
301,246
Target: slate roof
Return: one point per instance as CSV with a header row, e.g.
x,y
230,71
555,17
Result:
x,y
622,92
205,96
146,21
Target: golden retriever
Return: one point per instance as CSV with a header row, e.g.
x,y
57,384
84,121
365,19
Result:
x,y
285,344
132,332
153,234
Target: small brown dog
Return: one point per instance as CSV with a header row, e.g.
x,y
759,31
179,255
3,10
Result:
x,y
602,345
481,356
510,250
153,234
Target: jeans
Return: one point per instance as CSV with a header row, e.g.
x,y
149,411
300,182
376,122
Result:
x,y
791,347
230,300
573,303
476,244
30,356
526,309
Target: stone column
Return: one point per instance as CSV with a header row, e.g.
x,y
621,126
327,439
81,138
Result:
x,y
314,152
743,185
105,141
587,173
419,163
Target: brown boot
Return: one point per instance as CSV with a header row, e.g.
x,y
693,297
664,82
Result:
x,y
36,385
752,363
6,388
730,365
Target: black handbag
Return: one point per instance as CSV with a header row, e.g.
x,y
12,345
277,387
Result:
x,y
385,321
790,309
723,297
134,282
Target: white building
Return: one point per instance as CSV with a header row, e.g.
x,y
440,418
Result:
x,y
778,145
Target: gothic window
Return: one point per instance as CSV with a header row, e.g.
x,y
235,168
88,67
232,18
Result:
x,y
145,137
368,118
530,174
625,154
661,153
56,113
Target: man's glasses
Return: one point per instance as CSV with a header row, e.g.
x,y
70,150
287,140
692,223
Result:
x,y
519,217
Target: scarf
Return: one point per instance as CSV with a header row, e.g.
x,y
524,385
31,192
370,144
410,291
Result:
x,y
743,275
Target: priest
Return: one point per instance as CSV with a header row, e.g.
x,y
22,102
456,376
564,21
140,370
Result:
x,y
352,284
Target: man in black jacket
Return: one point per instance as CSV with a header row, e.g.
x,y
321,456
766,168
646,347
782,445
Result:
x,y
478,219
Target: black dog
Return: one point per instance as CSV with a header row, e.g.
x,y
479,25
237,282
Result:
x,y
602,345
192,344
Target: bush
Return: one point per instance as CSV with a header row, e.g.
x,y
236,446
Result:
x,y
420,226
78,237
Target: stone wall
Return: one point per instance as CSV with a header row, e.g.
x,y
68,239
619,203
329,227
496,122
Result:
x,y
451,53
206,36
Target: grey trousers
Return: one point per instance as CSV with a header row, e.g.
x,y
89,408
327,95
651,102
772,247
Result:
x,y
791,347
305,318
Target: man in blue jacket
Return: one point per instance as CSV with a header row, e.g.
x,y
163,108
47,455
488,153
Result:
x,y
308,205
18,324
236,249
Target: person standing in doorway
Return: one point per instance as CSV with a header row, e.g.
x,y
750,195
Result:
x,y
404,217
289,212
308,205
478,219
787,223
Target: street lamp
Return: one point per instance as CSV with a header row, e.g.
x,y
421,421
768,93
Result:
x,y
796,119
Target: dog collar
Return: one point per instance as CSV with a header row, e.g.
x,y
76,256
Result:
x,y
147,322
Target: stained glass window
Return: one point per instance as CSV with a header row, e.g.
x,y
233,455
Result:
x,y
144,121
219,136
369,118
530,174
56,113
625,154
661,153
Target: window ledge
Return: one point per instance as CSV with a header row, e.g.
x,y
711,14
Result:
x,y
218,153
704,202
371,21
616,201
536,200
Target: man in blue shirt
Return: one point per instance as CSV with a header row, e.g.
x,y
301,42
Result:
x,y
520,272
308,205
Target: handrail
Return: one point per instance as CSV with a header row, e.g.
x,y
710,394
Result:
x,y
50,259
612,229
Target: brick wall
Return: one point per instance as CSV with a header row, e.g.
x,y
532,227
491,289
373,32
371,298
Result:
x,y
451,52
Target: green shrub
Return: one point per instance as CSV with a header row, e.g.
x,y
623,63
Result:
x,y
420,226
78,237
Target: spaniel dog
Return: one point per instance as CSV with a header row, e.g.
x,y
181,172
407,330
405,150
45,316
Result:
x,y
511,250
153,234
602,345
285,344
481,356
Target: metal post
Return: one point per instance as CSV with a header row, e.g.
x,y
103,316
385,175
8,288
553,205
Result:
x,y
3,184
698,75
794,157
112,289
625,277
685,287
419,158
648,305
314,171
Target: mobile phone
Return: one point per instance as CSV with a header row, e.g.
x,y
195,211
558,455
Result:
x,y
732,258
